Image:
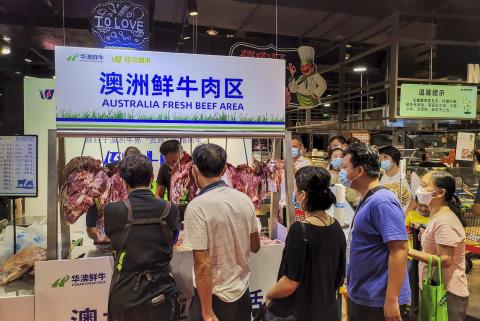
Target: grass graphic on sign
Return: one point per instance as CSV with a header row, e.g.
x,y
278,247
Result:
x,y
118,115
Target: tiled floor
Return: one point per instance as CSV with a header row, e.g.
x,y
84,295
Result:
x,y
474,288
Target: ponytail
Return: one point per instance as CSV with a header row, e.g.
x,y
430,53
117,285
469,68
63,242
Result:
x,y
455,205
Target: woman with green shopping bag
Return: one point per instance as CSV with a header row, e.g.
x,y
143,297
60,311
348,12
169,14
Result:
x,y
443,241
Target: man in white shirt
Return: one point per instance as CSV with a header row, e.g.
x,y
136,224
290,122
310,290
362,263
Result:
x,y
221,228
297,149
392,177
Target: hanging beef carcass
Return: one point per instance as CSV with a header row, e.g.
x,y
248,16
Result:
x,y
181,179
248,180
86,181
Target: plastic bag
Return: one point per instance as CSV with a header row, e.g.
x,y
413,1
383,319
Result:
x,y
33,235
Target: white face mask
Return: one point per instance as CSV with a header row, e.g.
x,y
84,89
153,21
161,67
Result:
x,y
424,197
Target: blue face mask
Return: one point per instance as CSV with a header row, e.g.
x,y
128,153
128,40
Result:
x,y
296,204
336,163
386,165
344,178
295,152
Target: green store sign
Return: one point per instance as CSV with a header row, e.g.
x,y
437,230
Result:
x,y
438,102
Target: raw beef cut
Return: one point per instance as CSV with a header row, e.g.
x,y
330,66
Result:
x,y
118,190
274,173
21,263
181,179
76,196
252,181
84,184
80,162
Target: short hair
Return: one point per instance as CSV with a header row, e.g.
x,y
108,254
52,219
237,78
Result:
x,y
136,170
340,138
365,156
170,146
391,151
315,181
210,160
131,150
298,137
353,140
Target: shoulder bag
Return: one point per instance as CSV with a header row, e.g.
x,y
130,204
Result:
x,y
138,282
433,300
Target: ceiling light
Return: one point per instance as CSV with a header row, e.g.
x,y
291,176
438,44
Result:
x,y
212,32
348,45
230,35
192,8
28,60
371,97
18,73
327,105
329,95
360,69
6,38
186,37
347,56
5,50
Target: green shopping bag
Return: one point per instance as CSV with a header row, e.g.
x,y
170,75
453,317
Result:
x,y
433,301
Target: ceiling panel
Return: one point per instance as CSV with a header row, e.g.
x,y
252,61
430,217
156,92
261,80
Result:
x,y
170,10
223,13
291,21
351,25
326,27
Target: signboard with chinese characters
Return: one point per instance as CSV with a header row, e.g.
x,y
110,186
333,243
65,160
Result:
x,y
465,146
74,290
18,166
120,89
119,23
438,102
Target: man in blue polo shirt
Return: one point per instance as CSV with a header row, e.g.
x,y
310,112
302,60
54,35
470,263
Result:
x,y
377,248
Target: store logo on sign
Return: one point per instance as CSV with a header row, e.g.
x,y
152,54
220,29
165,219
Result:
x,y
131,60
47,94
80,280
118,23
85,58
60,283
72,57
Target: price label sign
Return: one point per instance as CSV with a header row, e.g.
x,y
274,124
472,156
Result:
x,y
18,166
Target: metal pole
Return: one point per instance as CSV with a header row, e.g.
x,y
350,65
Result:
x,y
393,69
361,99
275,196
14,221
64,227
289,175
52,191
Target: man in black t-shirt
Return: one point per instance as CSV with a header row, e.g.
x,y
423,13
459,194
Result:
x,y
171,151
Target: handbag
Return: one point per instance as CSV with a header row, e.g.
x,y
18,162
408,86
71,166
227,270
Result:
x,y
433,300
268,315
